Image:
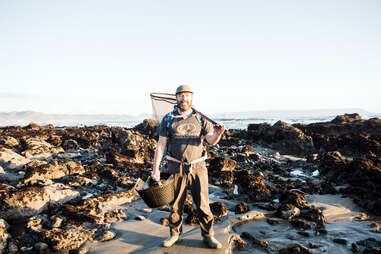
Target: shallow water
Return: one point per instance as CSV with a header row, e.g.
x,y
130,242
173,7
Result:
x,y
283,234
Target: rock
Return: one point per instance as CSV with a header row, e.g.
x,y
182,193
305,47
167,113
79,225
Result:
x,y
241,208
302,224
294,198
219,209
11,160
340,241
30,201
84,249
140,217
12,248
115,215
41,247
38,148
253,185
9,141
70,145
375,227
256,241
54,170
164,221
148,127
107,236
36,223
237,242
222,164
288,211
94,209
32,126
2,170
56,221
313,214
295,248
66,239
4,235
304,233
347,118
248,150
283,136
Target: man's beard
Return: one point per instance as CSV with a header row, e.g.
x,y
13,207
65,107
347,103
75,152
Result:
x,y
184,105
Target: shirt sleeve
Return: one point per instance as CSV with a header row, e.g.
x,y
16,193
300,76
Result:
x,y
207,126
163,130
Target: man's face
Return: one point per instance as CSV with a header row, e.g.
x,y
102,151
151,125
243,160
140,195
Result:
x,y
184,100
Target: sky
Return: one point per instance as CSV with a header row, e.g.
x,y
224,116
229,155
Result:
x,y
106,57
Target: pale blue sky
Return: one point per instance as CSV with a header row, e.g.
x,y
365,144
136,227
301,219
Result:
x,y
75,56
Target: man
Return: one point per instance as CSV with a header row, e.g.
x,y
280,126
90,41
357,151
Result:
x,y
184,131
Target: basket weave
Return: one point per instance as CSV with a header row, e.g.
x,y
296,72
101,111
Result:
x,y
157,196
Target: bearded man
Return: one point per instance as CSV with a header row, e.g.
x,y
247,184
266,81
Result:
x,y
182,132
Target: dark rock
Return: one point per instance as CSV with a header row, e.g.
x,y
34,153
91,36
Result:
x,y
253,185
284,137
294,198
115,215
55,170
302,224
272,221
304,233
164,221
288,211
30,201
347,118
222,164
94,209
4,235
70,145
66,239
241,208
248,150
256,241
9,141
148,127
313,214
340,241
219,209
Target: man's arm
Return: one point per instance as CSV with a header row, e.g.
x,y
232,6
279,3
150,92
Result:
x,y
158,157
214,136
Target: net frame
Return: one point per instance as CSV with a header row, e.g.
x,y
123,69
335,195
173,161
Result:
x,y
162,103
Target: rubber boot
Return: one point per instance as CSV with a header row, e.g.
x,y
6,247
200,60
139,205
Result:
x,y
171,241
212,242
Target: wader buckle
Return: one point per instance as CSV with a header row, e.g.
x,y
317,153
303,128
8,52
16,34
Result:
x,y
187,167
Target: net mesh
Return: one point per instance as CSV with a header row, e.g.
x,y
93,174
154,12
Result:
x,y
162,103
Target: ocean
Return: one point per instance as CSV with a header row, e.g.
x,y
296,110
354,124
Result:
x,y
235,122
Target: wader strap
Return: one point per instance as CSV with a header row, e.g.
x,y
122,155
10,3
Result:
x,y
186,163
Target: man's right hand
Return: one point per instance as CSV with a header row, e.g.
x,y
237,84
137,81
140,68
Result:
x,y
156,175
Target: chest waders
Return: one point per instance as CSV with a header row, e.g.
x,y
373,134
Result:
x,y
187,155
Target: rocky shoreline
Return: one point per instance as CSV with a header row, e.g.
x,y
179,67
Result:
x,y
62,188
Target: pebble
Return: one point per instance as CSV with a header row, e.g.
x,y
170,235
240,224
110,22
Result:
x,y
140,217
40,247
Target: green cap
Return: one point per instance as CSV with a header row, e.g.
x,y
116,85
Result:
x,y
183,88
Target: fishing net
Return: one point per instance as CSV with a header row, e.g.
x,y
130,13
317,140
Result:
x,y
162,103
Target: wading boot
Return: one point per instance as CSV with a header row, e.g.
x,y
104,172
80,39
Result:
x,y
171,241
212,242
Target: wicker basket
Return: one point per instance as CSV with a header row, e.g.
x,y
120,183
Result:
x,y
157,196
